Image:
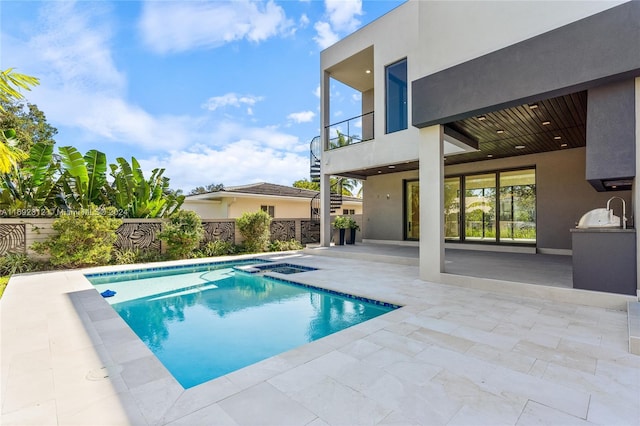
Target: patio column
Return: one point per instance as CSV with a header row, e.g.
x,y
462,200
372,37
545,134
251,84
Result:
x,y
325,184
636,187
431,203
325,210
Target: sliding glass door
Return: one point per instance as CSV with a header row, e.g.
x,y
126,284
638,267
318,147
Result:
x,y
498,207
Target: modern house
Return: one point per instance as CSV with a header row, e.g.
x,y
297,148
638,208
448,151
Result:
x,y
493,126
281,202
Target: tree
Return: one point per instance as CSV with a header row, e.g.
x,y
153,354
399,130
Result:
x,y
10,84
305,184
348,185
29,123
214,187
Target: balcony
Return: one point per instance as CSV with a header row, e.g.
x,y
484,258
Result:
x,y
351,131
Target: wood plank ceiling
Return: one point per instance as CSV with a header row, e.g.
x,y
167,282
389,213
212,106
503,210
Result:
x,y
549,125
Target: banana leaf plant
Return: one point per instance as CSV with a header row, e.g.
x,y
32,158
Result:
x,y
33,187
83,178
138,197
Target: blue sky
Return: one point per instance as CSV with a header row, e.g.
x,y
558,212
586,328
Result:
x,y
214,92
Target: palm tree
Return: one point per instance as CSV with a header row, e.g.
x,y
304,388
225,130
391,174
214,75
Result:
x,y
10,84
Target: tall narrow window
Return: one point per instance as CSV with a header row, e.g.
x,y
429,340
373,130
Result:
x,y
412,209
518,206
269,209
452,208
480,207
396,85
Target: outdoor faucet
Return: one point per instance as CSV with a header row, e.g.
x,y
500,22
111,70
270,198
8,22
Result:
x,y
624,211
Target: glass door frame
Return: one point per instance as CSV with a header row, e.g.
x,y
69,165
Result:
x,y
461,219
405,209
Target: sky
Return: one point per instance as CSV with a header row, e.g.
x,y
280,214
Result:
x,y
211,91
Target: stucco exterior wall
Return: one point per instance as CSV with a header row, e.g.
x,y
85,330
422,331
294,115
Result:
x,y
563,196
233,208
562,193
383,216
435,35
452,32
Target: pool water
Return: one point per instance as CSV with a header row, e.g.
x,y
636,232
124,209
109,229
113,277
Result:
x,y
205,324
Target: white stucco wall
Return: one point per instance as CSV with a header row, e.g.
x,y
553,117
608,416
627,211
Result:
x,y
435,35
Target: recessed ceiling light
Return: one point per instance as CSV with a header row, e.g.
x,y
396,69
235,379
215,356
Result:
x,y
482,118
519,147
500,131
563,145
392,167
379,171
546,123
489,155
533,106
368,71
557,137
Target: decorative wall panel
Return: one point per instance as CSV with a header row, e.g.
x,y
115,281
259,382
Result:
x,y
283,230
12,238
310,231
223,231
138,236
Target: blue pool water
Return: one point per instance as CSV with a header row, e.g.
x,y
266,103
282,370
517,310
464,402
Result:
x,y
203,324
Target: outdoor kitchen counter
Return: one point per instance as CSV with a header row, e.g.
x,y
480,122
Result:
x,y
604,259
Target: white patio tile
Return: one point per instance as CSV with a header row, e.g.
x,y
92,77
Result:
x,y
41,414
264,404
538,414
338,404
212,415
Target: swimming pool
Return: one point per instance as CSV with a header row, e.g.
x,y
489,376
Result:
x,y
203,323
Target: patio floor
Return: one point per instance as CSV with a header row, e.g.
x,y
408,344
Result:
x,y
451,355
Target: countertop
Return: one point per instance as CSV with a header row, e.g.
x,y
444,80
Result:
x,y
602,230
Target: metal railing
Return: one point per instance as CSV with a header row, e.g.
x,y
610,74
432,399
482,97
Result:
x,y
351,131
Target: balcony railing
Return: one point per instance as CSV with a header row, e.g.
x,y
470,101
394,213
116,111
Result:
x,y
351,131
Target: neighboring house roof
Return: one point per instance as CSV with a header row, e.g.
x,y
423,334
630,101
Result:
x,y
263,189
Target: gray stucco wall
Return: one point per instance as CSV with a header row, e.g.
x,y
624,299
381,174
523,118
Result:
x,y
611,132
563,194
383,217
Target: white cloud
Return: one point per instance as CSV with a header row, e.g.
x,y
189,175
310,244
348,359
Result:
x,y
241,162
342,14
181,26
342,18
302,116
232,99
316,92
304,20
326,37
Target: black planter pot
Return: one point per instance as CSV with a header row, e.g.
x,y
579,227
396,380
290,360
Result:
x,y
342,232
352,236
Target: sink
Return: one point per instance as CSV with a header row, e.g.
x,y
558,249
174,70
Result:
x,y
599,218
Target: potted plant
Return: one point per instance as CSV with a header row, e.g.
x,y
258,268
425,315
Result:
x,y
341,223
353,227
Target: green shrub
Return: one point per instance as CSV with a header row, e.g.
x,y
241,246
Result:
x,y
125,256
83,238
254,227
217,248
279,245
3,284
16,263
182,234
